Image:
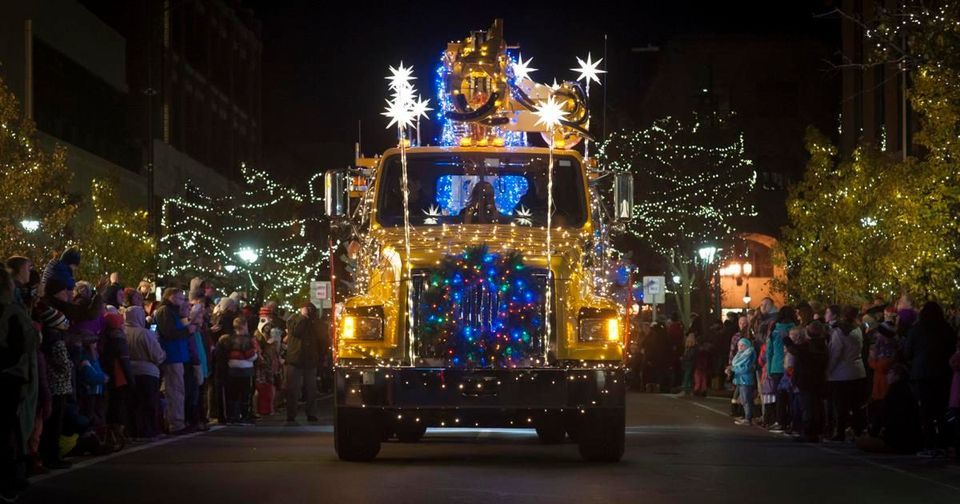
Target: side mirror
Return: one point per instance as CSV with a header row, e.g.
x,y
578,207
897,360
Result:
x,y
623,196
335,193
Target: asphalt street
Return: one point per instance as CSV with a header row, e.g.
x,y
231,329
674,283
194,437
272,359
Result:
x,y
678,450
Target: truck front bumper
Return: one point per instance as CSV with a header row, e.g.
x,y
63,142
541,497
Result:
x,y
462,389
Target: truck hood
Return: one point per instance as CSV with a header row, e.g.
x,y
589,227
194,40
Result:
x,y
431,244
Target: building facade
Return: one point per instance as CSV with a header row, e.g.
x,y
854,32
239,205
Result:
x,y
139,87
874,105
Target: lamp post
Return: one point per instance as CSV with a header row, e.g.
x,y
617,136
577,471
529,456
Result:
x,y
30,225
741,272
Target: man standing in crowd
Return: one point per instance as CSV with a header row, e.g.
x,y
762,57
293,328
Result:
x,y
303,357
174,334
18,353
20,268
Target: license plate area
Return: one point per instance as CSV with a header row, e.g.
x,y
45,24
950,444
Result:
x,y
480,386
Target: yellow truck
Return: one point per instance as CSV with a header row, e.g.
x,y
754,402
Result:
x,y
475,327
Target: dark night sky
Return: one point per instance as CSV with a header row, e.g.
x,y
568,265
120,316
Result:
x,y
324,66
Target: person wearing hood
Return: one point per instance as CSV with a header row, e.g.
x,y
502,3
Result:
x,y
267,366
63,269
785,321
743,367
928,347
146,356
845,370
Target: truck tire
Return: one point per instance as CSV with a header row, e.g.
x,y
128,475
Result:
x,y
356,435
550,430
411,433
602,435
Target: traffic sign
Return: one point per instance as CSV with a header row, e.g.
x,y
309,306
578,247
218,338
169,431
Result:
x,y
320,293
654,290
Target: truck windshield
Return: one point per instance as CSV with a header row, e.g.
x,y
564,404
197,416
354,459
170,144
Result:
x,y
482,188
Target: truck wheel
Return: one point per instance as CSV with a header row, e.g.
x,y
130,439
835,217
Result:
x,y
602,435
411,433
356,435
550,430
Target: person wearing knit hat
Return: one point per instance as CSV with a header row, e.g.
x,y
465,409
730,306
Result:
x,y
63,268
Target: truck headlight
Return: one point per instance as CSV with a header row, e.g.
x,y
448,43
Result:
x,y
367,326
599,325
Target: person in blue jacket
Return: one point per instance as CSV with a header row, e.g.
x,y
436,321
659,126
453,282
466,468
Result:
x,y
786,320
92,380
744,371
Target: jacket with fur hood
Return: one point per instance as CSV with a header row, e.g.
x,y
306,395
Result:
x,y
146,354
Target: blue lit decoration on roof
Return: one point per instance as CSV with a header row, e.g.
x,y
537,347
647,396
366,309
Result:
x,y
473,92
452,131
453,192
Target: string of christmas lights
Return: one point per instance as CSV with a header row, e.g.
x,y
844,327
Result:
x,y
268,222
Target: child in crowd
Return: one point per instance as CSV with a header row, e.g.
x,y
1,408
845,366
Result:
x,y
116,364
92,380
240,352
744,377
267,366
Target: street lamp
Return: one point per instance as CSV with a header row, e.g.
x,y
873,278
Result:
x,y
707,254
230,268
248,255
30,225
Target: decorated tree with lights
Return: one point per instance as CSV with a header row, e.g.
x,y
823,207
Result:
x,y
115,237
693,183
35,208
267,239
193,243
875,224
283,229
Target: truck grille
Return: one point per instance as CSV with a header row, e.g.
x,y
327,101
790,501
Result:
x,y
475,322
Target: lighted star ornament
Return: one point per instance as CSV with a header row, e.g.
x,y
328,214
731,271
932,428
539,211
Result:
x,y
588,70
402,109
522,69
550,112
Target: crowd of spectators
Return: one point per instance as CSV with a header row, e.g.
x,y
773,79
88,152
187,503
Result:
x,y
86,369
885,375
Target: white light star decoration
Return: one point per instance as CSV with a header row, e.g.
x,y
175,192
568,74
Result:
x,y
550,112
522,69
432,214
421,107
402,109
588,70
524,216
